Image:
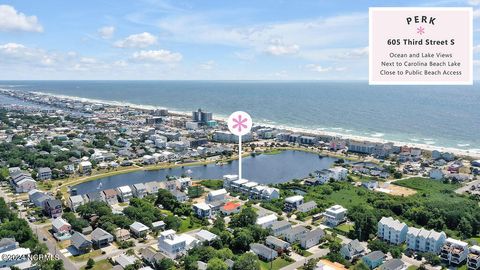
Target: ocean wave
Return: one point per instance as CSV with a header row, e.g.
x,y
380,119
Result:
x,y
377,135
430,142
463,144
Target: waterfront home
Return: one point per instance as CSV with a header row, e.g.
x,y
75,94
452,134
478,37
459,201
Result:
x,y
216,195
271,193
202,210
158,225
205,236
138,229
230,208
263,252
374,259
110,196
124,193
338,173
228,179
60,227
292,203
53,208
237,184
75,201
352,250
392,230
328,265
473,260
307,207
170,185
335,215
148,160
266,221
44,173
311,238
425,240
183,183
179,196
280,227
454,252
277,244
38,198
69,169
101,238
19,257
85,167
81,242
295,233
171,244
95,196
139,190
394,264
152,187
122,235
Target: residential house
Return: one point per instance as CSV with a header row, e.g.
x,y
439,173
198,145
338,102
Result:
x,y
124,260
295,233
183,183
19,257
151,256
138,229
270,193
85,167
473,260
266,221
38,198
81,242
425,240
263,252
139,190
158,225
307,207
53,208
110,196
75,201
44,174
60,227
311,238
179,196
230,208
392,231
335,215
202,210
374,259
436,174
124,193
280,227
352,250
216,195
95,196
328,265
205,236
122,235
172,244
152,187
101,238
292,203
454,252
22,182
394,264
8,244
277,244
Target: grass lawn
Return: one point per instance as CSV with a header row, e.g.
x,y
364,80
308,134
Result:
x,y
212,184
272,152
92,254
345,227
474,240
412,267
185,226
276,264
100,265
427,185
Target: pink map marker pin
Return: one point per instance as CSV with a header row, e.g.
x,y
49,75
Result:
x,y
239,123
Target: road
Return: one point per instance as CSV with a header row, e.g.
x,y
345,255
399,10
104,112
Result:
x,y
466,187
317,254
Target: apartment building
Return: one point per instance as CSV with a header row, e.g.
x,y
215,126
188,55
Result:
x,y
454,251
425,240
473,260
392,230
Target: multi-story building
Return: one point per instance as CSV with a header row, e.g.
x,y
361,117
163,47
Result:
x,y
335,215
44,173
473,260
171,244
425,241
392,230
293,202
124,193
454,251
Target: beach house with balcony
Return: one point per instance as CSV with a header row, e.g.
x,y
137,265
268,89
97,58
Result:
x,y
335,215
124,193
392,230
292,203
473,260
425,240
171,244
454,252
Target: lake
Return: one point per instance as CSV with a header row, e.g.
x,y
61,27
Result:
x,y
265,169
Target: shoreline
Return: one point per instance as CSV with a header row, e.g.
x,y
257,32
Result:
x,y
427,147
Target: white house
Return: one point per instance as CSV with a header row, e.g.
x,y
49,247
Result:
x,y
280,227
75,202
292,203
473,260
44,173
171,244
266,221
307,207
454,252
424,240
125,193
335,215
85,167
392,231
216,195
202,210
138,229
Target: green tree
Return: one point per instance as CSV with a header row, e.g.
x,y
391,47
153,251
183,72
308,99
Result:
x,y
165,264
90,263
360,266
216,264
247,261
246,217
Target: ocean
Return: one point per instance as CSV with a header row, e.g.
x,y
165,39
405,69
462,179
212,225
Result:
x,y
441,116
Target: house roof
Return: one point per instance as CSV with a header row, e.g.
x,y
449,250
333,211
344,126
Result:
x,y
76,199
230,206
53,203
261,249
280,224
78,239
137,226
158,224
355,246
218,192
266,219
99,234
125,260
392,223
59,222
375,255
294,199
308,204
205,235
7,241
110,192
139,186
392,264
125,189
276,241
44,170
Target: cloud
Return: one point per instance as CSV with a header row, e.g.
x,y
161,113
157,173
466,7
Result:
x,y
88,60
353,53
12,20
157,56
278,48
476,49
106,32
474,2
141,40
322,69
476,13
209,65
15,52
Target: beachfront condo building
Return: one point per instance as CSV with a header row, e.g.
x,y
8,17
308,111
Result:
x,y
473,260
454,251
425,240
392,230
